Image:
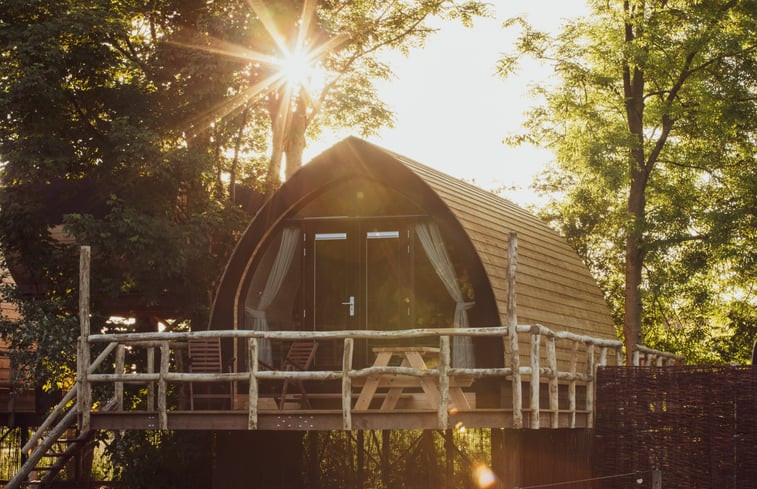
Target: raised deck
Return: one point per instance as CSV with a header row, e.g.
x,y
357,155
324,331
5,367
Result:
x,y
433,396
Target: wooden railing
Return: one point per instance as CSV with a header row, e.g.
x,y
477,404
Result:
x,y
596,352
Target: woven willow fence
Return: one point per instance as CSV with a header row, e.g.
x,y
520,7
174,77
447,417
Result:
x,y
697,424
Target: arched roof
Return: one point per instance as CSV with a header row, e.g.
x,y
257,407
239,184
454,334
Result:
x,y
553,286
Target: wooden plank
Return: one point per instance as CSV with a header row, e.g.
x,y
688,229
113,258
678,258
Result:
x,y
364,401
119,386
479,225
590,391
540,266
554,401
535,380
347,385
512,324
84,400
404,381
163,387
562,289
151,385
467,199
572,385
402,349
568,322
444,359
252,397
427,384
568,308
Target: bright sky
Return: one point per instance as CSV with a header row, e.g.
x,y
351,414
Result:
x,y
452,112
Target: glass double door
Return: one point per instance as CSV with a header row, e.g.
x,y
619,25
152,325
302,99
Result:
x,y
358,275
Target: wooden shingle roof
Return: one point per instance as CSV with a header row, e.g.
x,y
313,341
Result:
x,y
553,285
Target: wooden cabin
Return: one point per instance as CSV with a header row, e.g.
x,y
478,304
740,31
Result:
x,y
365,239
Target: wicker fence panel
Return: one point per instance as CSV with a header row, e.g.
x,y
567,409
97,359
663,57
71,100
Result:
x,y
696,424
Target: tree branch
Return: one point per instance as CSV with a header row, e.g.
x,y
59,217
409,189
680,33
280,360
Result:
x,y
664,243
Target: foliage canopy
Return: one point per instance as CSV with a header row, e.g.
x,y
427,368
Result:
x,y
652,121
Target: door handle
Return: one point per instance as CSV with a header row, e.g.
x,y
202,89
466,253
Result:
x,y
351,303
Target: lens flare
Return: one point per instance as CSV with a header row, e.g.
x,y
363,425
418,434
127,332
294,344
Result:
x,y
296,68
484,476
460,428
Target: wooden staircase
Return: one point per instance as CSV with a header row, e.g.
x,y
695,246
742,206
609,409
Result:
x,y
54,443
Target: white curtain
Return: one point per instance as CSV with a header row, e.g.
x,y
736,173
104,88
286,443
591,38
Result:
x,y
255,317
431,240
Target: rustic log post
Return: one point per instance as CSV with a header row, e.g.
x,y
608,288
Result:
x,y
252,401
535,379
151,384
619,357
119,386
572,384
84,400
347,385
636,357
444,356
602,356
554,402
512,325
163,387
590,373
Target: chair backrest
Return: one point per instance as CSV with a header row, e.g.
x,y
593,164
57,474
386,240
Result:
x,y
205,355
300,355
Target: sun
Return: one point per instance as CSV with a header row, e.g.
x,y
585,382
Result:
x,y
293,72
297,68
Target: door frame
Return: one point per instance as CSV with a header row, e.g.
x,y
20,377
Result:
x,y
359,227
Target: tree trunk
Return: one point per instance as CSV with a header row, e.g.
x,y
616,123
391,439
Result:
x,y
235,161
634,264
633,90
278,129
295,138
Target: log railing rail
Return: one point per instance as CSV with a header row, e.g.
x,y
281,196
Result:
x,y
542,368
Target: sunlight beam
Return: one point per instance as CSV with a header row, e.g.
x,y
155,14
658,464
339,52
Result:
x,y
270,25
308,9
227,49
224,108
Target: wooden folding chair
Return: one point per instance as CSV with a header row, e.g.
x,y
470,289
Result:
x,y
205,357
299,358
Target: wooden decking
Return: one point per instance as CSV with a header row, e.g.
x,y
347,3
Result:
x,y
326,420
